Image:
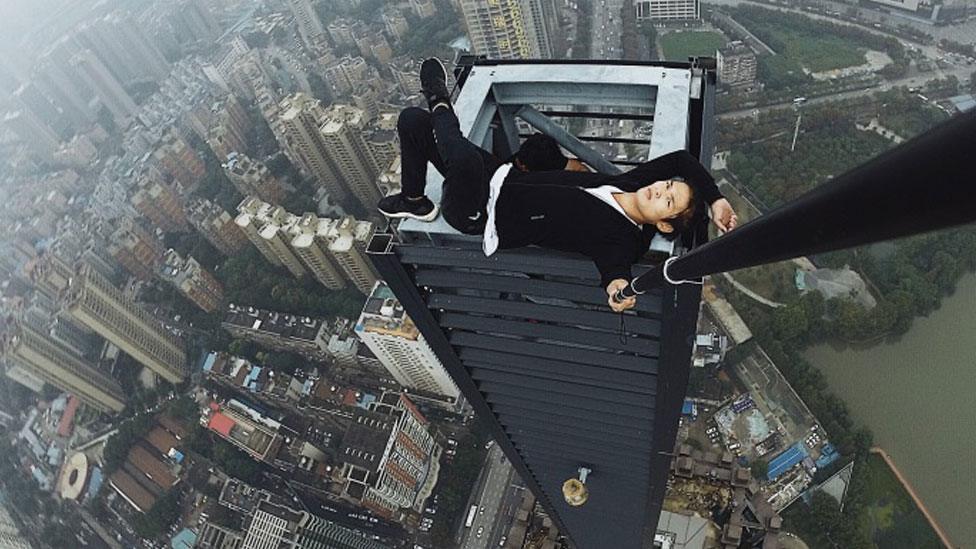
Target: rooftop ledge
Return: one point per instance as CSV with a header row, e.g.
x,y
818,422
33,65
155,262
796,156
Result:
x,y
497,97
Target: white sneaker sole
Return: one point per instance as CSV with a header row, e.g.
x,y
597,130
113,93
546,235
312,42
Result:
x,y
407,215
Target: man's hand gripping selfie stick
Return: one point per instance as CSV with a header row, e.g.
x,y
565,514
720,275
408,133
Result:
x,y
922,185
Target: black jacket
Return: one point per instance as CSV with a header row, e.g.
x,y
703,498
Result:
x,y
552,210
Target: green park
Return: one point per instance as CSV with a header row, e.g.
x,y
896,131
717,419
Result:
x,y
678,46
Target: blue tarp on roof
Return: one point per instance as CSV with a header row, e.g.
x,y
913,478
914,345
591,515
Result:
x,y
185,539
787,459
209,362
94,483
366,400
688,408
828,455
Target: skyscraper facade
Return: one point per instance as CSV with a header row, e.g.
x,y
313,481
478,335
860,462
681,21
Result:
x,y
45,358
266,227
390,334
298,129
106,86
342,135
510,29
311,245
310,27
101,307
348,238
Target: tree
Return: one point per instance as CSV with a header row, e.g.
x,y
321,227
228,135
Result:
x,y
759,468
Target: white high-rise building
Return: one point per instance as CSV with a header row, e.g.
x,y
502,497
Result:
x,y
514,29
309,25
106,87
668,10
397,342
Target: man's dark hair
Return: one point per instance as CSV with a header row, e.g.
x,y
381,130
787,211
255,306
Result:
x,y
686,218
540,153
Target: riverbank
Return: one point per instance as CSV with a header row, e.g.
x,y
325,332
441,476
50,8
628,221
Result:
x,y
919,504
916,396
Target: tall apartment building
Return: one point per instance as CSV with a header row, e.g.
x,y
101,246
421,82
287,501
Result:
x,y
342,135
310,27
32,98
55,80
176,160
252,178
228,127
325,247
118,42
311,244
98,305
217,226
193,23
106,87
160,203
279,527
389,333
192,280
390,458
266,227
423,8
135,248
737,66
668,10
42,140
514,29
348,240
298,124
43,357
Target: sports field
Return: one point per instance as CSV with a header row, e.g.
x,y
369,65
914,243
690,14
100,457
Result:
x,y
678,46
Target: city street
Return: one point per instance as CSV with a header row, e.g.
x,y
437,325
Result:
x,y
959,72
606,30
497,500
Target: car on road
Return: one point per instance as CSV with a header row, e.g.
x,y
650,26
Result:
x,y
502,541
481,530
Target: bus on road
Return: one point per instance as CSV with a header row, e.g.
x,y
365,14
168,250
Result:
x,y
473,512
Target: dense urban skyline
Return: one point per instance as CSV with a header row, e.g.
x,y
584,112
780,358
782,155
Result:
x,y
199,348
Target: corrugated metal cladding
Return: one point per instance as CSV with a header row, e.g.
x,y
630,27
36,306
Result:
x,y
529,333
529,339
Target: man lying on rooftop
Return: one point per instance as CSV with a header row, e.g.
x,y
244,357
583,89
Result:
x,y
547,200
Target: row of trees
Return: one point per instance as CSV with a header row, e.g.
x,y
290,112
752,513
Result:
x,y
455,483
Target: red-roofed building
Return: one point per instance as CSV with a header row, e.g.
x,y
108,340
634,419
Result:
x,y
249,431
221,424
66,423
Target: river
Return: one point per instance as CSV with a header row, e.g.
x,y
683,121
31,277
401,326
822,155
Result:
x,y
918,396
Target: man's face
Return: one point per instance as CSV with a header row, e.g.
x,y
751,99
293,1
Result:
x,y
663,200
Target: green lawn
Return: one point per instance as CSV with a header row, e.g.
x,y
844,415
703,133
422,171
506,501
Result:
x,y
817,53
678,46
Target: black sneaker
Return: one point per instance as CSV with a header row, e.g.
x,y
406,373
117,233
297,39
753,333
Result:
x,y
397,205
433,82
